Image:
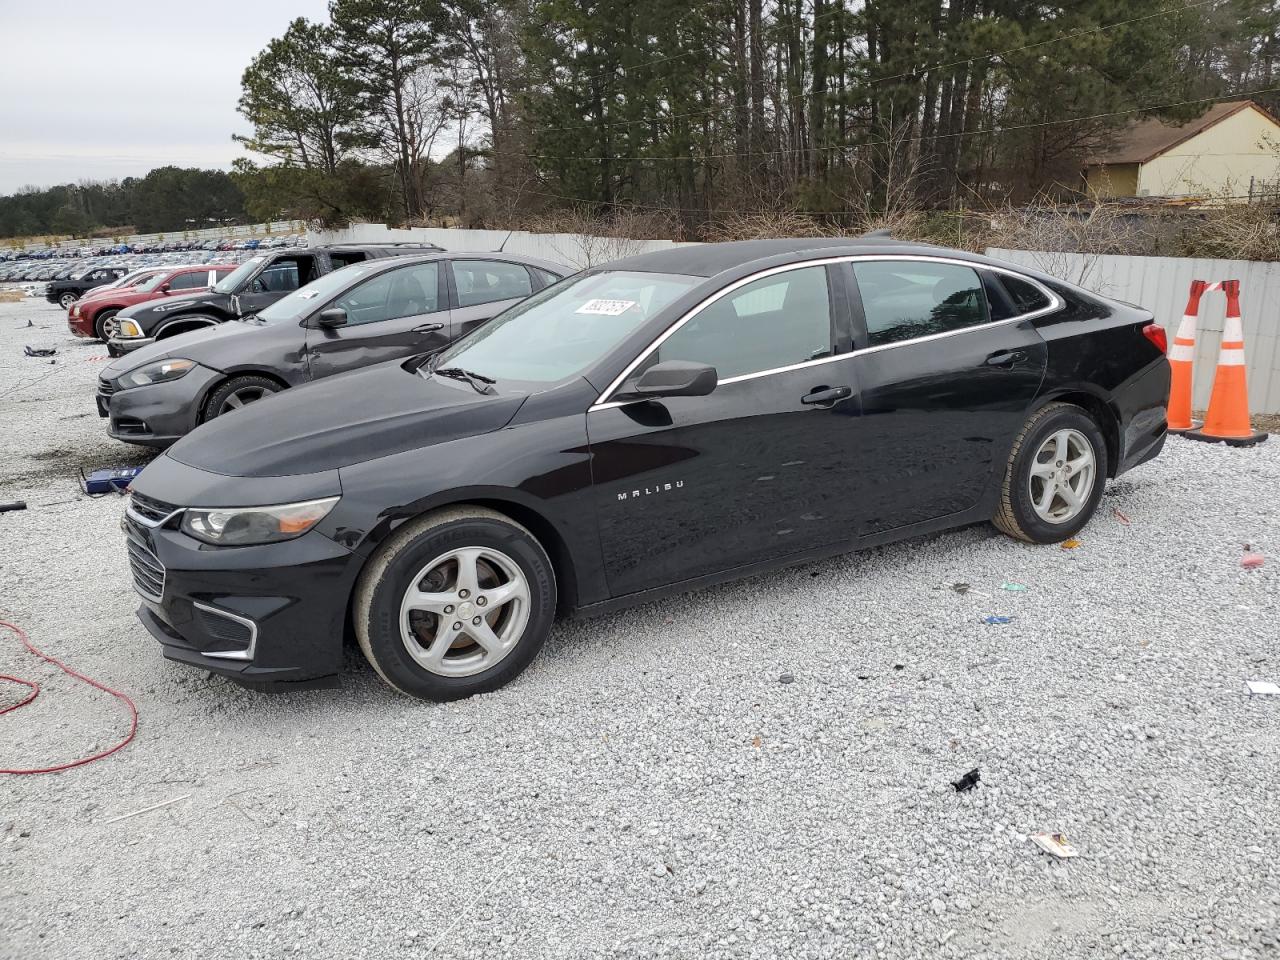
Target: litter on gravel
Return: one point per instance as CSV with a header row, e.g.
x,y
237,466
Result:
x,y
1263,688
1056,844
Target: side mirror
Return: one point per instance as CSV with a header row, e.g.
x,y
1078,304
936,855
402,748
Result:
x,y
332,317
164,288
676,378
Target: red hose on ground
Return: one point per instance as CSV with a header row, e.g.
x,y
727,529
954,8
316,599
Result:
x,y
35,691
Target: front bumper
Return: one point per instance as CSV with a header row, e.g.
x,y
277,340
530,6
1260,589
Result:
x,y
158,414
268,617
80,325
118,348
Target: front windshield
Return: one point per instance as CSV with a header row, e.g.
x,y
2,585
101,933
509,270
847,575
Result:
x,y
564,329
232,281
302,301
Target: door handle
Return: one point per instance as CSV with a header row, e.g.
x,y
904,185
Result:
x,y
1006,358
826,396
427,328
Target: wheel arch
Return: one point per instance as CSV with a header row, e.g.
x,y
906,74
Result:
x,y
1098,407
185,324
536,521
226,377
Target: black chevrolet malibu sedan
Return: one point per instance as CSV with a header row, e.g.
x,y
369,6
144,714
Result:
x,y
382,309
654,425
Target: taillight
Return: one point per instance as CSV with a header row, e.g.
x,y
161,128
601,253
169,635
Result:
x,y
1155,333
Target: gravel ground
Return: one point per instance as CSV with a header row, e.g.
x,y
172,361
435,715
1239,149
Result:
x,y
651,787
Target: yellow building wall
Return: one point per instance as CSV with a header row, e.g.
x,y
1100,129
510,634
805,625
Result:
x,y
1112,180
1220,160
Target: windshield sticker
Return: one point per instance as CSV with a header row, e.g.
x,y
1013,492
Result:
x,y
606,308
308,294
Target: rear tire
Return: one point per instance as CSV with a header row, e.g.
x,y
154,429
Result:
x,y
236,393
105,325
474,640
1055,476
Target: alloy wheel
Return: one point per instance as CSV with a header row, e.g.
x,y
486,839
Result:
x,y
240,398
66,300
110,326
1062,476
464,611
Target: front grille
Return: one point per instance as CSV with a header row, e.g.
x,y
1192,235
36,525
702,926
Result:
x,y
148,571
223,628
150,508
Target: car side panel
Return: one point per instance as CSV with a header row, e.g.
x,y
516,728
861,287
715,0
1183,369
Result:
x,y
1097,349
541,466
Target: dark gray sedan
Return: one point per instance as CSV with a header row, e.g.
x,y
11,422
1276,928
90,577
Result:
x,y
360,315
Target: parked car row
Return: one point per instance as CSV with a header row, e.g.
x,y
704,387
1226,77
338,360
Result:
x,y
442,482
39,276
94,315
386,303
170,246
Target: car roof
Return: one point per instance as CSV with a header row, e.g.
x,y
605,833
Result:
x,y
389,263
710,259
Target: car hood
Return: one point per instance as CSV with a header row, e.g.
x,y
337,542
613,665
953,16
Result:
x,y
165,304
338,421
215,347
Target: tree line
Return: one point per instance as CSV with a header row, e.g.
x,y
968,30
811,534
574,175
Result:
x,y
488,110
497,112
168,199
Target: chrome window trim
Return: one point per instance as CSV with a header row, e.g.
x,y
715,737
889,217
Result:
x,y
247,652
1055,303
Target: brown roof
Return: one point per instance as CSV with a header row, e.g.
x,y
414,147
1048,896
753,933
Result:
x,y
1144,140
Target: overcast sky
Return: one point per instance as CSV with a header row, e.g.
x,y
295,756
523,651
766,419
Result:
x,y
105,90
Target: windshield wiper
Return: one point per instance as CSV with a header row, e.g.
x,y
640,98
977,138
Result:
x,y
478,381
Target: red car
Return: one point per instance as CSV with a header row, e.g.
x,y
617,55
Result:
x,y
94,316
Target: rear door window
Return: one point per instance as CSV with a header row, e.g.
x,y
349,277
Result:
x,y
909,299
344,258
1027,297
487,281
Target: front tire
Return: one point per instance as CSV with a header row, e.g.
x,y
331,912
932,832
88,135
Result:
x,y
236,393
456,603
105,325
67,300
1055,476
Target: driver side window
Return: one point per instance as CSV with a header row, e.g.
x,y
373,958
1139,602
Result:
x,y
772,322
406,292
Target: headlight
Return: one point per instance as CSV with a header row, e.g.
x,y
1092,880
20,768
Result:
x,y
129,329
75,310
240,526
159,372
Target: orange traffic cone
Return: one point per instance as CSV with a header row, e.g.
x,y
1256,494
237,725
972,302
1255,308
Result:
x,y
1228,418
1180,356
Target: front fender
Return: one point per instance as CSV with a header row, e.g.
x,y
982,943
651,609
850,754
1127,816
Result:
x,y
540,470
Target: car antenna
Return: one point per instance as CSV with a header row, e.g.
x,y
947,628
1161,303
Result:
x,y
502,246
